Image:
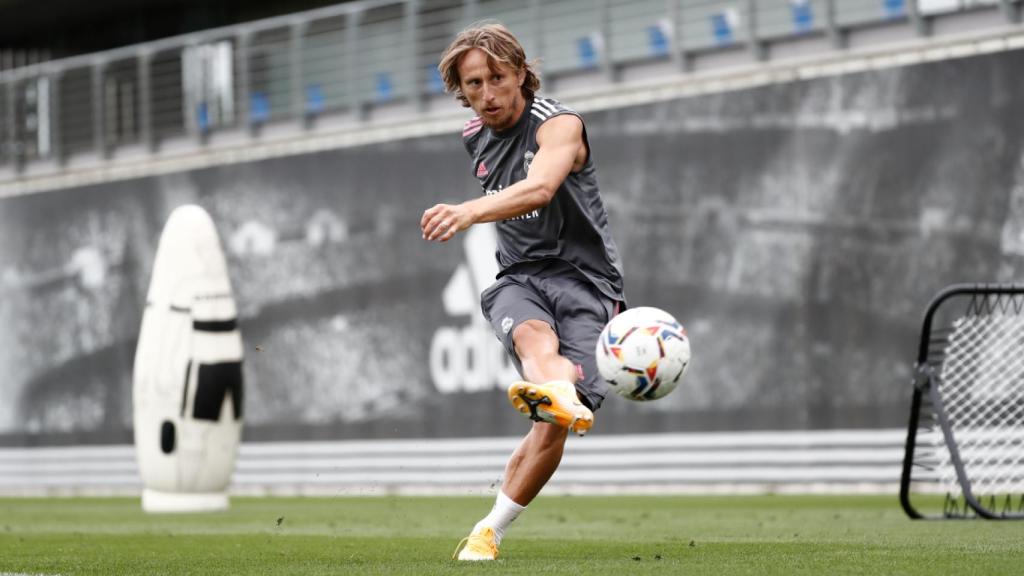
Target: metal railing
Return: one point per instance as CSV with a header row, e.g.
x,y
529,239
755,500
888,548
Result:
x,y
349,59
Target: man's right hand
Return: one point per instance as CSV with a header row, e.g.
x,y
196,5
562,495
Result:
x,y
442,221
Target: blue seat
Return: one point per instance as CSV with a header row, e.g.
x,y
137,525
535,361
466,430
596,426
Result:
x,y
259,108
894,8
203,117
721,29
587,52
657,40
803,15
435,85
315,102
384,89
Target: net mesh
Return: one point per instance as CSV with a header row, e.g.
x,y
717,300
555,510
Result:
x,y
981,386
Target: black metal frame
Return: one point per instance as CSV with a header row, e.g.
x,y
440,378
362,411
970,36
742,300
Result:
x,y
927,380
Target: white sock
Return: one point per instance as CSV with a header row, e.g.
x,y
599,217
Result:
x,y
503,513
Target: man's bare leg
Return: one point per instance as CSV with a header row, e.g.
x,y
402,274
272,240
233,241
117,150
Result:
x,y
533,462
538,455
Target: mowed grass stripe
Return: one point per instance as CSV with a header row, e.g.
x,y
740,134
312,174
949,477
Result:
x,y
557,535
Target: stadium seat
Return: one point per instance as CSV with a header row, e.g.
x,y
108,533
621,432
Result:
x,y
259,108
384,88
894,8
721,28
657,40
803,15
435,85
587,52
315,102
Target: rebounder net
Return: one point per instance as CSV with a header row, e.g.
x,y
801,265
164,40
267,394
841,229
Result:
x,y
965,443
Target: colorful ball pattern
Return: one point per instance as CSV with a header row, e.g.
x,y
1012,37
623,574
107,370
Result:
x,y
643,353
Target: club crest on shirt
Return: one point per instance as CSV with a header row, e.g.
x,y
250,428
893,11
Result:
x,y
527,160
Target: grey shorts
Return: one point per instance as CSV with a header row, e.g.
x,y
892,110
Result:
x,y
563,297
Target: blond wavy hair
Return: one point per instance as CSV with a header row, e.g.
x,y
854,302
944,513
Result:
x,y
500,46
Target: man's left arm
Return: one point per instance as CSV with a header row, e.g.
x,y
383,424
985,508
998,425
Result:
x,y
558,144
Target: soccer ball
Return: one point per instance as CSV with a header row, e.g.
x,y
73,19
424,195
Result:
x,y
643,353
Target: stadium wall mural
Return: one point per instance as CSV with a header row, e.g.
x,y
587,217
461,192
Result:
x,y
798,230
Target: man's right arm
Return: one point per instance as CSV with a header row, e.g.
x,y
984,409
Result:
x,y
559,141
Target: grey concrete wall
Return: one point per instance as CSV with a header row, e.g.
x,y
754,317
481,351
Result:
x,y
798,230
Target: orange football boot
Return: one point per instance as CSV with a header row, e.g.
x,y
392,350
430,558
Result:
x,y
477,546
555,402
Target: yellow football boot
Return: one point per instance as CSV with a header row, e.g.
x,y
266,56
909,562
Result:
x,y
477,546
555,402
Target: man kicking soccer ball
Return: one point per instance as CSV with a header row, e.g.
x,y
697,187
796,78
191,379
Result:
x,y
560,278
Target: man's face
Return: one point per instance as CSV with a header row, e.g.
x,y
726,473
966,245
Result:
x,y
493,91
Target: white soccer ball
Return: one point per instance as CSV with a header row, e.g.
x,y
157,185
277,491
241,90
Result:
x,y
643,353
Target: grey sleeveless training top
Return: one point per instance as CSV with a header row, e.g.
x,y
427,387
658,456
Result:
x,y
573,227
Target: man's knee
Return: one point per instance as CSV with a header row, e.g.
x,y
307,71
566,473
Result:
x,y
534,337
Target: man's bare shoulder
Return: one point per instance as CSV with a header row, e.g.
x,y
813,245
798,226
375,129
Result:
x,y
560,128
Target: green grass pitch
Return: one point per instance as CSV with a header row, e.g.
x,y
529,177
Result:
x,y
557,535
